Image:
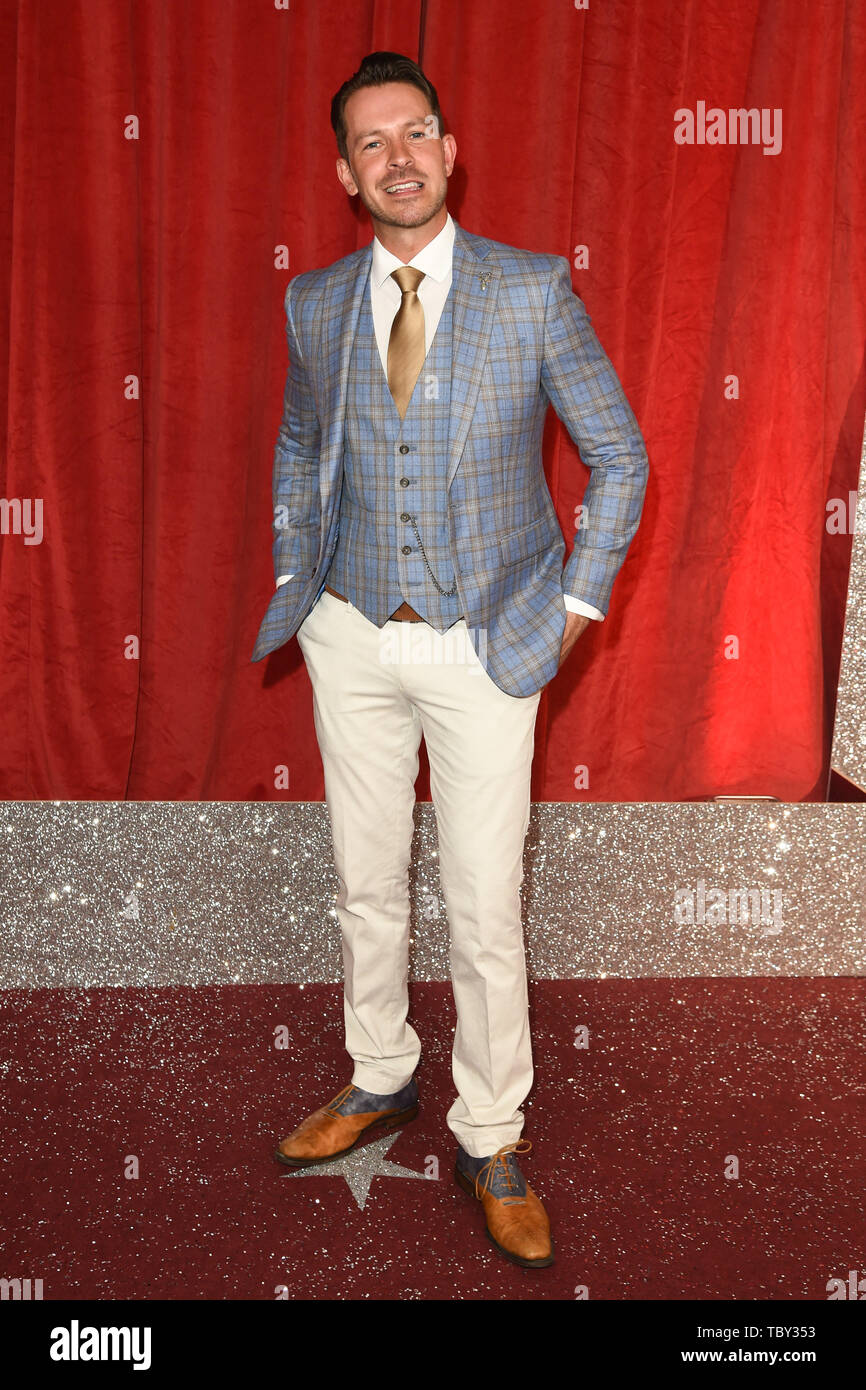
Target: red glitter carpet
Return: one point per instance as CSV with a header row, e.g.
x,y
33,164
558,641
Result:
x,y
631,1138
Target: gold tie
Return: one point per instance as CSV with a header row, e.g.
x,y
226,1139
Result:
x,y
406,349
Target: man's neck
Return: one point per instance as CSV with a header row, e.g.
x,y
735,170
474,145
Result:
x,y
406,242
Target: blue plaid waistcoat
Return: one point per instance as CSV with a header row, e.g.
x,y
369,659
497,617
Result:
x,y
394,470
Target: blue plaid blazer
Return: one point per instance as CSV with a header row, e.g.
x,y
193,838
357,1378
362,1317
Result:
x,y
521,339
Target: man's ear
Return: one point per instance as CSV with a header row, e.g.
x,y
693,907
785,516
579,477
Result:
x,y
344,174
449,150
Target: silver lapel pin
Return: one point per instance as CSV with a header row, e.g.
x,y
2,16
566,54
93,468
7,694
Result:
x,y
484,277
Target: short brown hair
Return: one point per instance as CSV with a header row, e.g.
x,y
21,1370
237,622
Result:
x,y
376,70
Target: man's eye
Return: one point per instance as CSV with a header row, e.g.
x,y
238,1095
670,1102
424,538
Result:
x,y
418,132
370,145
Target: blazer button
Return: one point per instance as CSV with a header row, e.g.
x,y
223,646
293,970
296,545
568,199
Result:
x,y
404,516
404,448
404,482
407,550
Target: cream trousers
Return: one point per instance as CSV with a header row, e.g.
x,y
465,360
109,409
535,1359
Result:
x,y
375,691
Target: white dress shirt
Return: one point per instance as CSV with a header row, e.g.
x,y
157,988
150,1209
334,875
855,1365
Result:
x,y
435,260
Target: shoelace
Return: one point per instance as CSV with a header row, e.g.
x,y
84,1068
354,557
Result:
x,y
522,1146
331,1107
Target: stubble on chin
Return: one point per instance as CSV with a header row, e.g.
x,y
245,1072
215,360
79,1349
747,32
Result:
x,y
391,215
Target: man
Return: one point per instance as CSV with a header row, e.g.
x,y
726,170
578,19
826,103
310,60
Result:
x,y
419,559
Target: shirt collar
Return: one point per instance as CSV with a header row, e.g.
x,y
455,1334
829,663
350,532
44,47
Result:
x,y
434,258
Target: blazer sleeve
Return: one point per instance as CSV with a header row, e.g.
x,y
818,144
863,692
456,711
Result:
x,y
583,388
296,465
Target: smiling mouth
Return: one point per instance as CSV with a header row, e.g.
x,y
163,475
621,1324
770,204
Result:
x,y
407,186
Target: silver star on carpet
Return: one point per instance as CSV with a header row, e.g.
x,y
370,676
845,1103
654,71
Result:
x,y
360,1167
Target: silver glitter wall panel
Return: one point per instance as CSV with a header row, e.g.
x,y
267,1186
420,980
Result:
x,y
191,893
848,754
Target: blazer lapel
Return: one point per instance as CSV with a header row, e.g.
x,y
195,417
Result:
x,y
340,322
474,289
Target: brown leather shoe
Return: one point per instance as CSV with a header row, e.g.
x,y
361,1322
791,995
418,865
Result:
x,y
517,1223
335,1128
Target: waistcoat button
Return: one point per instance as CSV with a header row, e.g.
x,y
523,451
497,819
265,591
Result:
x,y
404,482
404,448
407,550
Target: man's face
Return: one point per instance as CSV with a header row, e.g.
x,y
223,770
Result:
x,y
394,146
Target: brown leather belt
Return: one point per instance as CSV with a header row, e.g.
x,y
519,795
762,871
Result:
x,y
405,613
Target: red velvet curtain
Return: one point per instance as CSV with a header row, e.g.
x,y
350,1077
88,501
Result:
x,y
157,155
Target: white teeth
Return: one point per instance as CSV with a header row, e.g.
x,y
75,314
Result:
x,y
395,186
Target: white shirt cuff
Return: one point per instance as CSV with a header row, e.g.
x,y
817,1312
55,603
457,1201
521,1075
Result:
x,y
577,605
